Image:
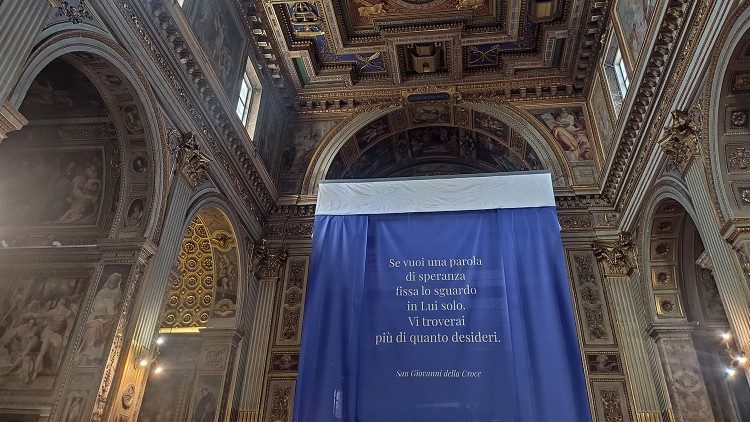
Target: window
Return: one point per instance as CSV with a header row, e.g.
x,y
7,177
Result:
x,y
621,73
243,103
248,98
180,2
615,71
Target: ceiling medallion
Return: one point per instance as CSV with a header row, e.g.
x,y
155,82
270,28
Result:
x,y
75,14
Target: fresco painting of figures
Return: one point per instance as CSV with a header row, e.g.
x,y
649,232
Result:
x,y
51,187
37,316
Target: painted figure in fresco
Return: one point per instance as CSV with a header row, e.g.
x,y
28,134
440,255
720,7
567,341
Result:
x,y
135,213
570,134
21,344
371,132
304,145
84,195
57,320
205,410
42,93
214,31
226,282
101,320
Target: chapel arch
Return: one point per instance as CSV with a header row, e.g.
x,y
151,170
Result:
x,y
83,168
503,128
134,127
683,299
199,325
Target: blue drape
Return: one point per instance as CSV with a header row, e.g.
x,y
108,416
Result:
x,y
514,358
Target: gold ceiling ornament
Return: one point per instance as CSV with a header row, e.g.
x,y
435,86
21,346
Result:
x,y
618,257
192,163
191,294
223,240
681,142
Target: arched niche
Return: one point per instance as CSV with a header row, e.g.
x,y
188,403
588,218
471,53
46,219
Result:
x,y
728,119
201,318
134,128
681,291
206,284
503,128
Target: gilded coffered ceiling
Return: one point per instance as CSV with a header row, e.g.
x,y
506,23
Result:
x,y
349,49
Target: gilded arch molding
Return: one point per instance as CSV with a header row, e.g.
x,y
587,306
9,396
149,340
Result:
x,y
86,42
326,151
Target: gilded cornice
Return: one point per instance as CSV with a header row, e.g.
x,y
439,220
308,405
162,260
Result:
x,y
618,187
169,50
642,129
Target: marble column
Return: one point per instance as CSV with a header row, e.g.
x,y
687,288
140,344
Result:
x,y
21,23
257,354
731,280
687,388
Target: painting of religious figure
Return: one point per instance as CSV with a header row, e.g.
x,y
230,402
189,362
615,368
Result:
x,y
490,124
206,398
226,284
301,145
634,17
37,317
103,314
51,187
568,127
218,30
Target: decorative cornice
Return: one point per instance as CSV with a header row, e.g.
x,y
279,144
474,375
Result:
x,y
180,68
617,186
680,142
618,257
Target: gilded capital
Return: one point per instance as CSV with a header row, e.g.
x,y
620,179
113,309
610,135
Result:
x,y
680,142
192,163
617,257
267,263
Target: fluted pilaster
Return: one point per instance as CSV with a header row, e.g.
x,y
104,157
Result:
x,y
21,23
629,310
258,351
